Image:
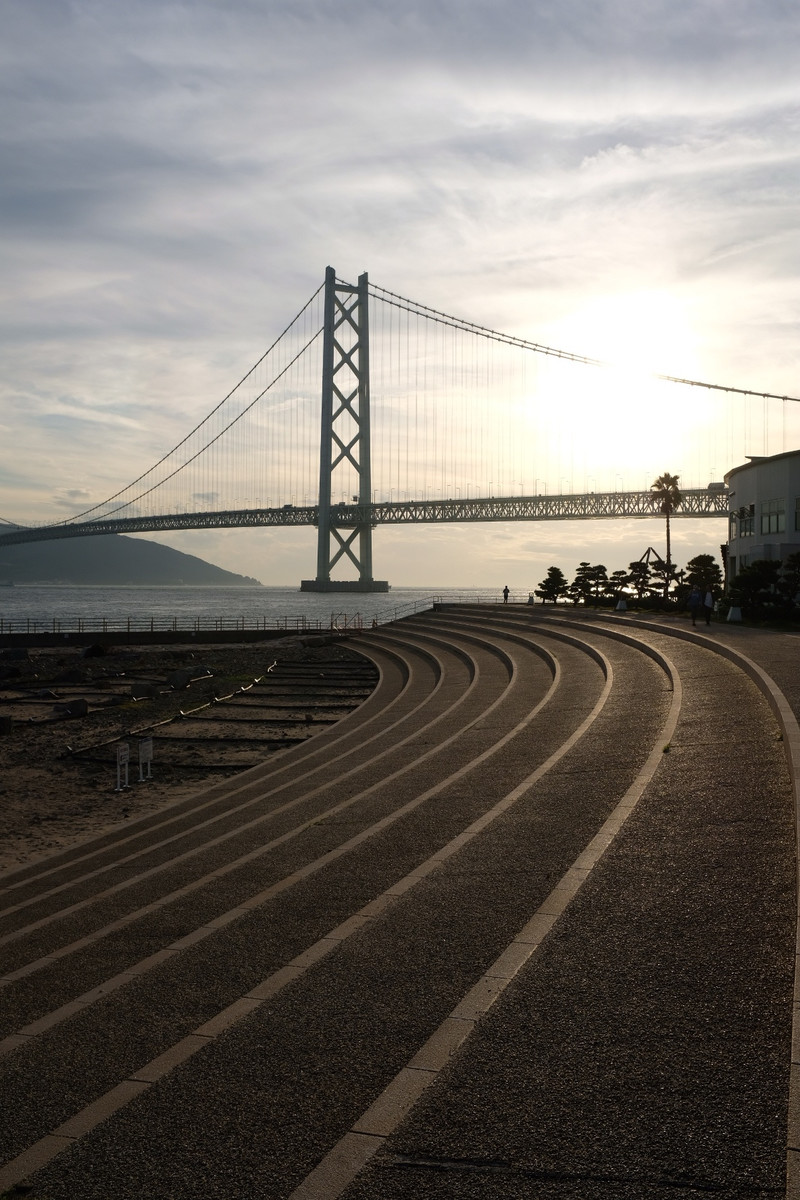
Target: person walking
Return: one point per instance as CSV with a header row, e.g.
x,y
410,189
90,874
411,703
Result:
x,y
708,605
694,603
505,594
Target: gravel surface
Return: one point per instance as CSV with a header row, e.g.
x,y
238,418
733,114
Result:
x,y
642,1053
304,1067
645,1051
253,941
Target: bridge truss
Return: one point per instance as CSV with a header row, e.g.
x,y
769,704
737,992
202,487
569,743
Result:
x,y
697,502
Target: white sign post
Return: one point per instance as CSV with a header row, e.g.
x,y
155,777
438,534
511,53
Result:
x,y
145,758
123,755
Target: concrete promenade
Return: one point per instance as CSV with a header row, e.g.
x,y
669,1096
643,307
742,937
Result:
x,y
523,925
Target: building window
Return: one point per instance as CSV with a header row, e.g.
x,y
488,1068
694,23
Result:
x,y
747,521
773,516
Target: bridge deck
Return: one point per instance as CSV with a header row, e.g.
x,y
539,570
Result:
x,y
697,502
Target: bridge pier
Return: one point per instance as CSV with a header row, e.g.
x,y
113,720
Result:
x,y
344,585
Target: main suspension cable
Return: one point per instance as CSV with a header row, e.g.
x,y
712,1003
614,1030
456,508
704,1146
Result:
x,y
433,314
216,437
200,424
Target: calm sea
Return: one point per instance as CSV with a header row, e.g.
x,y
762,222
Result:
x,y
70,608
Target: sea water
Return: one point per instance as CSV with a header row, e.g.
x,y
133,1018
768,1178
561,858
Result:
x,y
65,607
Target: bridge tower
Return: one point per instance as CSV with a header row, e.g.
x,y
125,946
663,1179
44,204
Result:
x,y
344,530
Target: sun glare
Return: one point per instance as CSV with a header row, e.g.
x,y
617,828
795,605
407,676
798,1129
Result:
x,y
624,423
642,332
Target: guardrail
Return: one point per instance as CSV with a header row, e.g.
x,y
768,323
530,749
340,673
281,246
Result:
x,y
340,622
130,625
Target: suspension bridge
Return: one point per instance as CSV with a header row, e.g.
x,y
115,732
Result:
x,y
372,410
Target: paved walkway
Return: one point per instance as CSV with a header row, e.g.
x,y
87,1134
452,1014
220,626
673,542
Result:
x,y
524,926
645,1052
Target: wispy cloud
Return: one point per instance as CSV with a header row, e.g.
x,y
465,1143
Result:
x,y
174,179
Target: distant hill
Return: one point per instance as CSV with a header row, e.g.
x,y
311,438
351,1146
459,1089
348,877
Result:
x,y
111,559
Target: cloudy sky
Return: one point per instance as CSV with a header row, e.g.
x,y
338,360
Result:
x,y
174,178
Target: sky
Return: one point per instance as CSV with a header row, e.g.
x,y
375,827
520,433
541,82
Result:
x,y
617,179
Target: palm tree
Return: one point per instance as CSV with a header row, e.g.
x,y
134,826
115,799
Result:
x,y
668,496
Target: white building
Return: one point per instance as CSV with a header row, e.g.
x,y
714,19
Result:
x,y
765,510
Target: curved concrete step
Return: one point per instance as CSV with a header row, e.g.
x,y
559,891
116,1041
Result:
x,y
362,868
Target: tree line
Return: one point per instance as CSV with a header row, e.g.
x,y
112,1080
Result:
x,y
649,577
646,581
768,589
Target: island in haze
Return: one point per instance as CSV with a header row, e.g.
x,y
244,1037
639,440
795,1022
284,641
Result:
x,y
112,560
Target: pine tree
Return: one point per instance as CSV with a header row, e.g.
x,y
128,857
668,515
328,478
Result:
x,y
617,582
705,571
553,587
589,583
640,577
